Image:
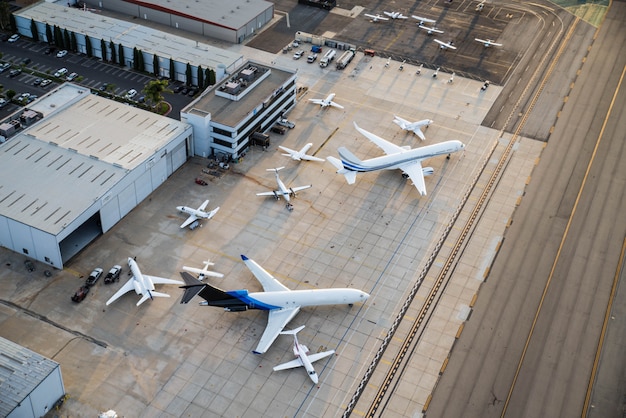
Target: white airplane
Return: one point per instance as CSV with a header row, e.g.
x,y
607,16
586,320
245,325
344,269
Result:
x,y
283,191
412,126
203,272
142,284
376,17
404,158
487,42
300,155
430,30
195,214
281,303
302,359
445,45
423,19
328,101
395,15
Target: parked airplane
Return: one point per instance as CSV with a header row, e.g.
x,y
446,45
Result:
x,y
376,17
487,42
195,214
283,191
395,15
423,19
300,155
404,158
445,45
283,304
142,284
302,359
203,272
412,126
430,30
328,101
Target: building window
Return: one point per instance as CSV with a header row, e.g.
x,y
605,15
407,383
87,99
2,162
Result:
x,y
24,250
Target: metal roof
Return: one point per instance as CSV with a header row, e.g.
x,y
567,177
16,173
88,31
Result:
x,y
56,169
132,35
21,371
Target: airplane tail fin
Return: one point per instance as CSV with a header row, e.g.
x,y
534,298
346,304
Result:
x,y
293,331
192,287
275,169
212,295
341,169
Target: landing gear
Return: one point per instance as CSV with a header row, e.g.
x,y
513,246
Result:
x,y
289,207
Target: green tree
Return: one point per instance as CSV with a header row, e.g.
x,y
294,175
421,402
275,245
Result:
x,y
33,30
155,65
135,59
154,89
11,94
212,77
49,37
67,44
200,77
5,15
172,70
207,74
103,48
121,51
113,57
73,43
188,75
88,49
58,37
140,64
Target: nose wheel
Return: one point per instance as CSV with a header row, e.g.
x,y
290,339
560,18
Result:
x,y
289,207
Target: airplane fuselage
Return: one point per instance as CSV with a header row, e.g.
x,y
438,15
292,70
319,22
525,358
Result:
x,y
300,352
140,283
195,212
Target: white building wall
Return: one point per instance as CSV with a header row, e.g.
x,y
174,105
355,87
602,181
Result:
x,y
47,393
46,248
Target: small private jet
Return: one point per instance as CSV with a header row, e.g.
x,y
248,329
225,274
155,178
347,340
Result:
x,y
303,359
300,155
404,158
423,20
142,284
396,15
204,271
376,17
487,42
281,303
445,45
283,191
412,126
328,101
195,214
430,30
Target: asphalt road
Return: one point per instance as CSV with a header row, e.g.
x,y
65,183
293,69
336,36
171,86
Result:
x,y
529,348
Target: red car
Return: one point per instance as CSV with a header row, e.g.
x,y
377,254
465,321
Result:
x,y
201,182
80,294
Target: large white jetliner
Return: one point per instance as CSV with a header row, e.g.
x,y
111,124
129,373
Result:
x,y
376,17
445,45
142,284
413,126
300,155
195,214
404,158
204,272
328,101
303,359
396,15
487,42
283,191
281,303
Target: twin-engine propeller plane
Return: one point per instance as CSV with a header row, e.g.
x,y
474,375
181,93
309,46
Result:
x,y
196,214
404,158
283,191
281,303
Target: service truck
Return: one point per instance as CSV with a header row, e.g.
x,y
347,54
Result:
x,y
327,58
345,58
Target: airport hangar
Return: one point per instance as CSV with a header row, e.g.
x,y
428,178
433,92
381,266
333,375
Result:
x,y
71,176
151,42
227,115
232,21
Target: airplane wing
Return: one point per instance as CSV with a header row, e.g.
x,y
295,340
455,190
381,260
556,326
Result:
x,y
128,286
415,173
289,365
333,104
288,150
274,193
386,146
297,189
269,283
189,220
317,101
318,356
276,321
204,205
162,280
417,131
311,158
213,212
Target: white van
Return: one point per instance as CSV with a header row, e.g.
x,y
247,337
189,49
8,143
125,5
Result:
x,y
60,72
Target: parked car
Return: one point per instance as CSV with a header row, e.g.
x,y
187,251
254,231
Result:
x,y
278,130
62,53
71,77
15,72
37,81
45,82
103,87
131,93
49,50
80,294
286,123
113,275
311,58
14,37
25,61
60,72
93,277
298,55
4,67
3,103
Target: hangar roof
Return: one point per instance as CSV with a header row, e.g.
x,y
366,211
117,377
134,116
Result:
x,y
130,34
71,158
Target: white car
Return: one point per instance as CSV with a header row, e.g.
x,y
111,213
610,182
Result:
x,y
131,93
62,53
60,72
71,77
14,38
298,55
